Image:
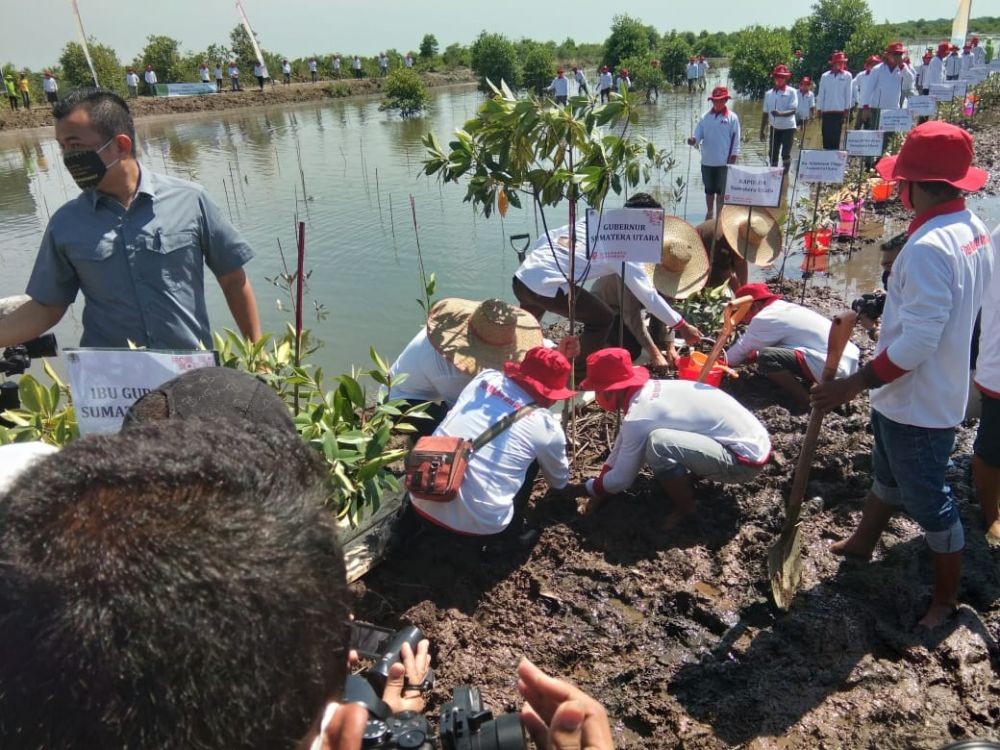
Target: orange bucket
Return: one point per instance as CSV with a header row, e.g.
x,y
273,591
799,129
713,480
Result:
x,y
818,242
882,191
689,368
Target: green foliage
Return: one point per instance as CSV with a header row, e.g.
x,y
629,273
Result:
x,y
524,146
714,45
163,53
405,91
989,51
674,54
538,66
110,73
644,75
46,413
455,55
704,309
629,38
428,47
830,26
866,41
494,58
756,50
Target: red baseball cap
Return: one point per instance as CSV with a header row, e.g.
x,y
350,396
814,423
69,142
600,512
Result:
x,y
780,71
935,151
944,46
611,370
543,372
719,92
896,48
838,57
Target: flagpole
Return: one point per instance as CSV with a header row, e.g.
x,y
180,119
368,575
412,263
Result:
x,y
83,42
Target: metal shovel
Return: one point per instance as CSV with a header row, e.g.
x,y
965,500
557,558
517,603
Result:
x,y
784,559
523,250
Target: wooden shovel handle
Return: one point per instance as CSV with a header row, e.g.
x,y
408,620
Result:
x,y
840,334
734,311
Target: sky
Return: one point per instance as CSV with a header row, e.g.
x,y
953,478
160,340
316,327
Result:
x,y
35,32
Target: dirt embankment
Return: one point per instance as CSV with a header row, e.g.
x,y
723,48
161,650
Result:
x,y
251,96
675,634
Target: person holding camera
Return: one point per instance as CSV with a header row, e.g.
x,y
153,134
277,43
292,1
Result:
x,y
920,376
788,343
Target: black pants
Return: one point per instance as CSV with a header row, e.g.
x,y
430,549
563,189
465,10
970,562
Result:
x,y
357,72
52,96
260,82
14,103
832,123
312,75
605,95
26,98
287,77
561,99
781,143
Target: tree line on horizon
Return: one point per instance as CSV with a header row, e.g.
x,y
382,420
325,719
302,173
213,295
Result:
x,y
846,25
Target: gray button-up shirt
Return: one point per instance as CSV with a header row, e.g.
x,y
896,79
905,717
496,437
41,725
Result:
x,y
142,269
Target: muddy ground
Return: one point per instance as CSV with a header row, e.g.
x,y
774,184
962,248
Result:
x,y
147,106
675,634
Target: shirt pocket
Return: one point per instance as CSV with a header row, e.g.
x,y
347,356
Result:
x,y
173,257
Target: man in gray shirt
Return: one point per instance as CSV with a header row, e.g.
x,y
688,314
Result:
x,y
135,242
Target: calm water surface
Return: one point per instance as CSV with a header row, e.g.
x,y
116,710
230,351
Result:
x,y
359,168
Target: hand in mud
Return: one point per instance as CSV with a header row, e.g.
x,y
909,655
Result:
x,y
569,347
411,671
689,333
344,731
573,491
830,395
656,358
671,354
590,507
560,716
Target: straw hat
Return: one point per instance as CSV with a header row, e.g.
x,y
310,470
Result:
x,y
477,336
760,242
683,267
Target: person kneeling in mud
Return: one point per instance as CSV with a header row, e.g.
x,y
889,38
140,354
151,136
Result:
x,y
788,342
678,427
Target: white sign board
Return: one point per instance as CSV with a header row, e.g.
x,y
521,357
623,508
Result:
x,y
961,88
625,235
921,106
104,383
995,64
864,142
819,165
753,186
895,121
942,92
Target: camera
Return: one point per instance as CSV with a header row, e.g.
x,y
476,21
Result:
x,y
870,305
464,723
17,359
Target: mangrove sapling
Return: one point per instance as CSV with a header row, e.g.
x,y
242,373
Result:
x,y
406,92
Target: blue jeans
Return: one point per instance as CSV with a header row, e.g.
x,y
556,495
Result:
x,y
909,464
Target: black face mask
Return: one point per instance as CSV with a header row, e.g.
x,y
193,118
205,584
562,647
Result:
x,y
86,167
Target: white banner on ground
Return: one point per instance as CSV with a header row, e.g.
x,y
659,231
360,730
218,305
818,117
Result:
x,y
922,106
994,64
865,142
942,92
625,235
961,89
819,165
104,383
753,186
184,89
895,121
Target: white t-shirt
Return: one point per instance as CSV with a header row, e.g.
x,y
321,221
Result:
x,y
485,501
692,71
132,80
834,91
336,63
807,101
545,273
356,64
781,101
935,291
429,376
150,76
286,68
49,85
887,87
718,136
791,326
560,86
685,406
988,364
935,72
205,75
605,81
313,65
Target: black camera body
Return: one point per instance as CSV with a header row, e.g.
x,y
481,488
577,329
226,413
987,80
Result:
x,y
870,305
17,359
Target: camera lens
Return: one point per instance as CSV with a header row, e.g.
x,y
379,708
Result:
x,y
504,733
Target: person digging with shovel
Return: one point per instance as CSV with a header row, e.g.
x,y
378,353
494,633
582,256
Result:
x,y
678,428
920,375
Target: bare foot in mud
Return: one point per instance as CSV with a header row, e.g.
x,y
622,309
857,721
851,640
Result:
x,y
937,615
852,548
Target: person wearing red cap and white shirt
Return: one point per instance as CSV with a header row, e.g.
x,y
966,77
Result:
x,y
692,73
623,78
780,104
678,428
967,58
541,284
952,64
834,99
977,52
923,72
807,102
986,450
717,135
889,83
920,375
498,479
935,68
788,342
560,87
604,81
581,81
150,78
702,72
860,87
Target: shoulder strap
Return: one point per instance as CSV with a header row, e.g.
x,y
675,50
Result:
x,y
502,425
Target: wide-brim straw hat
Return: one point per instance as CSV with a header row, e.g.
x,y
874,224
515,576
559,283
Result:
x,y
758,240
478,336
683,267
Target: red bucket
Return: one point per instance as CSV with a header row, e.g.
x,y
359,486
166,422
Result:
x,y
689,368
818,242
882,190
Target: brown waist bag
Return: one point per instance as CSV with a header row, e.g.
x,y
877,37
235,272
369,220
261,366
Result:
x,y
436,465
